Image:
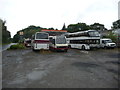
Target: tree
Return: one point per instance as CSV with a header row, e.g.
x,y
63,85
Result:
x,y
51,28
112,36
116,24
78,27
16,38
64,27
6,36
97,26
27,32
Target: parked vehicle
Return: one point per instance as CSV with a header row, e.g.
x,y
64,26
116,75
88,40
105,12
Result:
x,y
40,40
107,43
27,42
58,43
84,40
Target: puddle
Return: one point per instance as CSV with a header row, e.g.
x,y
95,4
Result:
x,y
86,52
114,71
87,67
19,60
18,81
36,75
82,64
113,62
115,55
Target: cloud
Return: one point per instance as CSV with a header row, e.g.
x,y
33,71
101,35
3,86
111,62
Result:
x,y
54,13
104,12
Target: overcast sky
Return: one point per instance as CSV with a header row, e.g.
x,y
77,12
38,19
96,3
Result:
x,y
19,14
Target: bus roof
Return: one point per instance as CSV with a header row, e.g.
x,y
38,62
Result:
x,y
40,32
105,39
85,31
80,32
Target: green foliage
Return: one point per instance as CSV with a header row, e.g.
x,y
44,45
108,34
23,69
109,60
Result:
x,y
97,26
116,24
17,46
51,28
78,27
112,36
64,27
30,30
6,36
15,38
27,33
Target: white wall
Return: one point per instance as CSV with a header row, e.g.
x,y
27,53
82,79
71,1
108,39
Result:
x,y
1,53
1,22
119,10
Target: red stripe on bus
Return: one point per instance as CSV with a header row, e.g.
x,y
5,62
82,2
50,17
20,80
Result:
x,y
41,41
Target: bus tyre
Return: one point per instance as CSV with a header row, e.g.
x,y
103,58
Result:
x,y
33,49
105,47
112,47
69,46
65,50
83,47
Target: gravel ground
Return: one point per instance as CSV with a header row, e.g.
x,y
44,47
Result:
x,y
72,69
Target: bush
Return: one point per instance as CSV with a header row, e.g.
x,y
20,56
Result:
x,y
17,46
111,36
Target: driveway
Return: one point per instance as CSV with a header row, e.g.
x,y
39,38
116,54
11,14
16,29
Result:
x,y
72,69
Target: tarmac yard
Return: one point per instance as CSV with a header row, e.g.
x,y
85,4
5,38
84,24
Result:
x,y
72,69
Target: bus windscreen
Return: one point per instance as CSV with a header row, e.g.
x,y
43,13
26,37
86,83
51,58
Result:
x,y
41,36
60,40
94,34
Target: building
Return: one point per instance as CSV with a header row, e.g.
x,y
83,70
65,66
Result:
x,y
5,35
119,10
116,24
1,25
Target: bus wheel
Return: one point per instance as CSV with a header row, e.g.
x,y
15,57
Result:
x,y
33,49
65,50
69,46
105,47
83,47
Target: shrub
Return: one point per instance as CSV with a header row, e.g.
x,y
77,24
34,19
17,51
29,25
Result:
x,y
111,36
17,46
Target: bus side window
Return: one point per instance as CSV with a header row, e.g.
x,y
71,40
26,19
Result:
x,y
103,42
86,42
67,36
90,41
97,41
71,41
53,41
94,41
